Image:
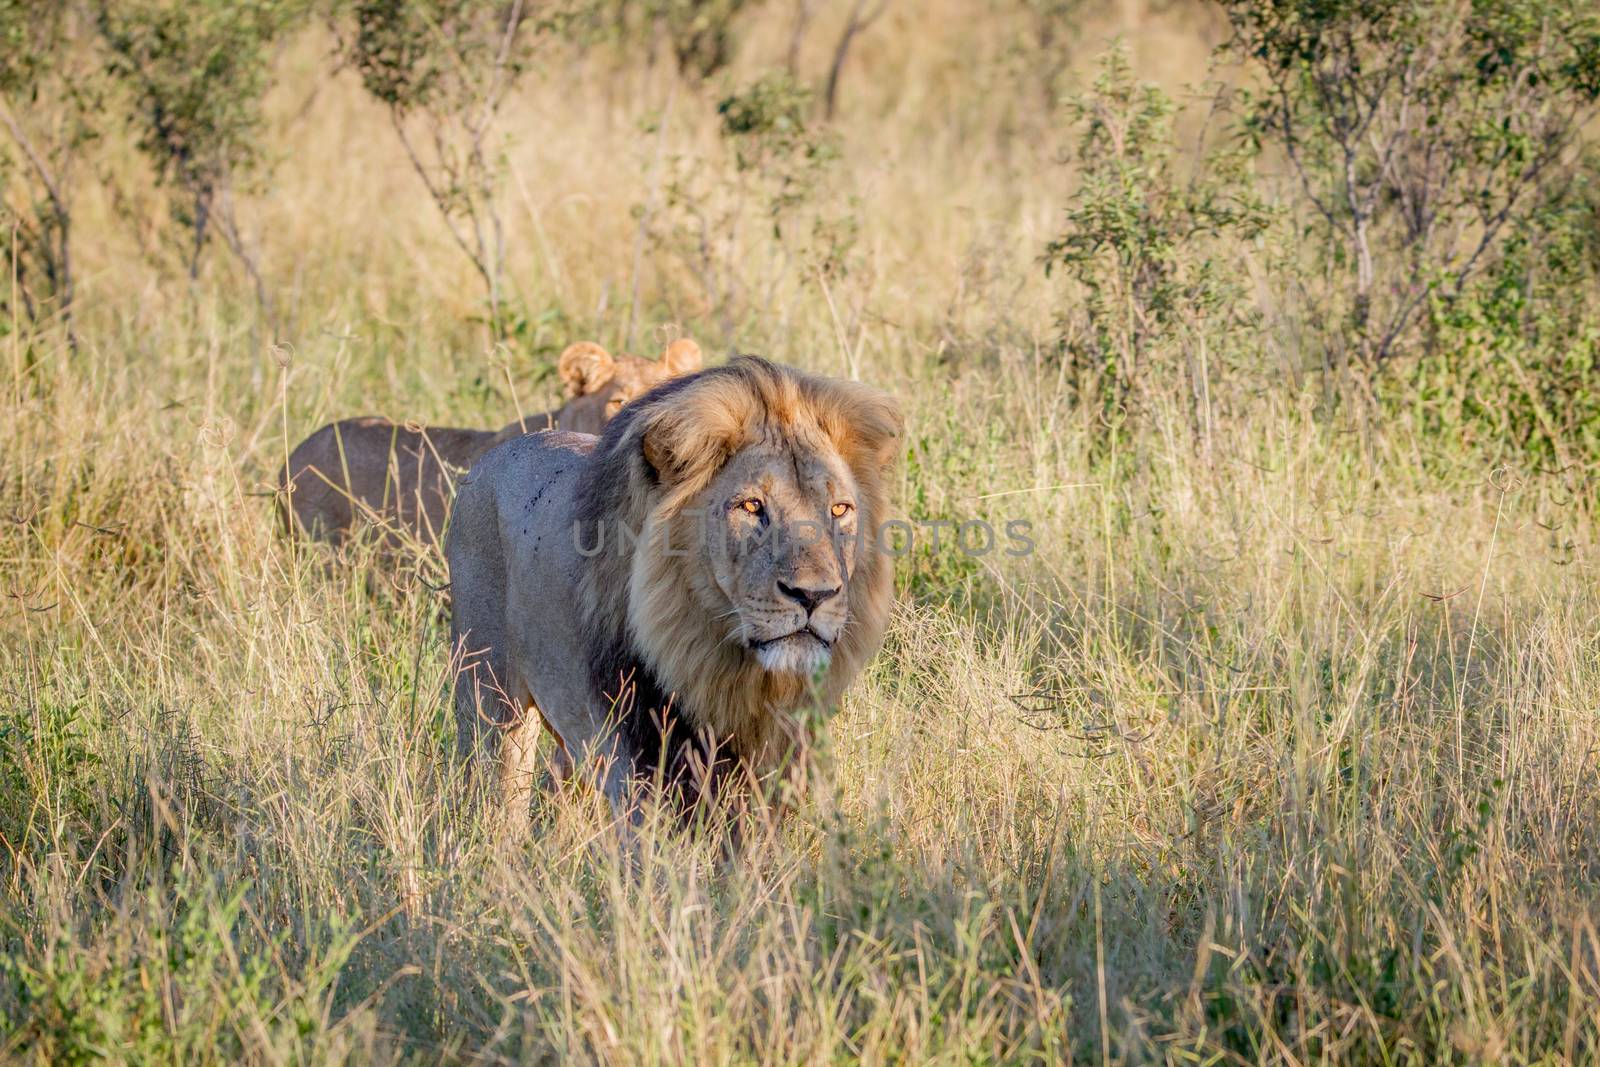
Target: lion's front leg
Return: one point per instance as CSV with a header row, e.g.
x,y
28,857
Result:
x,y
608,766
560,767
518,764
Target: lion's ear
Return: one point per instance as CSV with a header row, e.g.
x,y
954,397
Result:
x,y
658,456
867,427
681,357
585,367
690,439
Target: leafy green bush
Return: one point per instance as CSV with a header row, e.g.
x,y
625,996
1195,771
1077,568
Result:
x,y
1513,364
780,162
49,99
702,32
196,72
448,65
1423,134
1143,241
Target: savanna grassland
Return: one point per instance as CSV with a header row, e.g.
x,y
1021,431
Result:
x,y
1281,746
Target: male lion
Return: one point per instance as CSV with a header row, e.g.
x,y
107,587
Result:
x,y
399,477
670,597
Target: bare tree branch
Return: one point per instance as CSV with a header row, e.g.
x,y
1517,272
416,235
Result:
x,y
860,19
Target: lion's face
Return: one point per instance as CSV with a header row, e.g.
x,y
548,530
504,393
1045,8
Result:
x,y
779,528
741,569
591,412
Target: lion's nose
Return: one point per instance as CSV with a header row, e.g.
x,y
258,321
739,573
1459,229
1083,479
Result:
x,y
807,598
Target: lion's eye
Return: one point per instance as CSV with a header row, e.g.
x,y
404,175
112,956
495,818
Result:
x,y
840,510
753,506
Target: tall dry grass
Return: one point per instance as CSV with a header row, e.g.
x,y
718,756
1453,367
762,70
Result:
x,y
1281,746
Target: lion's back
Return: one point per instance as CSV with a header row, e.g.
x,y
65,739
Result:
x,y
374,467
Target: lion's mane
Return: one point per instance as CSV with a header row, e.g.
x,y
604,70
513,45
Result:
x,y
677,682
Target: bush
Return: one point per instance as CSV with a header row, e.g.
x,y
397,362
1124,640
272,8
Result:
x,y
1145,242
1513,364
196,72
1423,134
449,65
711,216
49,98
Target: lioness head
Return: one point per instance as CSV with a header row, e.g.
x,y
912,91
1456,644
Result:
x,y
754,492
598,384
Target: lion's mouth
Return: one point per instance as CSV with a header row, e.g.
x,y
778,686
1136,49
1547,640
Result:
x,y
802,652
804,631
